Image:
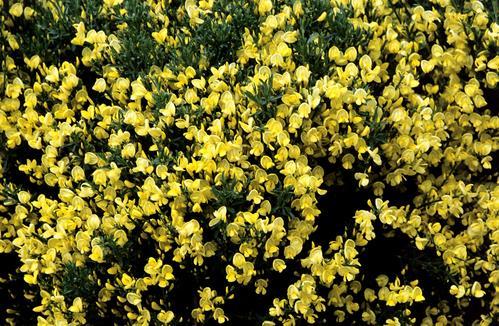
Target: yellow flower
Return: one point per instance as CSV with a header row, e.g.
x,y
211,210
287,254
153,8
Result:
x,y
128,151
138,90
33,62
392,322
77,173
302,75
494,63
322,17
264,6
30,279
166,317
362,178
133,298
457,291
143,165
231,274
476,290
93,222
350,54
279,265
100,85
227,103
254,196
160,36
97,254
100,177
24,197
427,66
291,99
220,216
417,294
219,315
30,100
16,9
261,286
382,280
77,305
290,37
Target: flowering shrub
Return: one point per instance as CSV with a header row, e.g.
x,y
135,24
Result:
x,y
255,161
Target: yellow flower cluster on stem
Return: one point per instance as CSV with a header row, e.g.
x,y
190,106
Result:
x,y
260,161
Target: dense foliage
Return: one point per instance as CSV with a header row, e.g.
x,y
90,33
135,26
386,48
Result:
x,y
250,161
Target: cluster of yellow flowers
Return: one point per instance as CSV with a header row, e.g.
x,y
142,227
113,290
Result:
x,y
260,161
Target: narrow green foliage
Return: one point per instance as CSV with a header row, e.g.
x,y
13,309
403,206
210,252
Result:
x,y
267,99
282,196
44,36
227,195
77,282
316,38
220,40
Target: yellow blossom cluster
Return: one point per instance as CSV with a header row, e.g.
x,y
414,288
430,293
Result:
x,y
270,162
